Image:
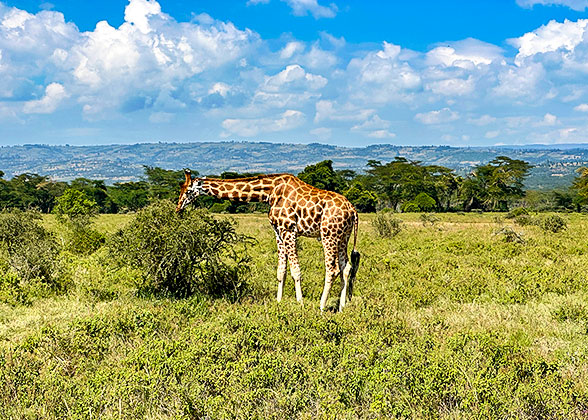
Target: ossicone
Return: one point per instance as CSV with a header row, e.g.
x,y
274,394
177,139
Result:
x,y
188,175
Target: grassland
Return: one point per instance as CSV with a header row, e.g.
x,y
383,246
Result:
x,y
447,321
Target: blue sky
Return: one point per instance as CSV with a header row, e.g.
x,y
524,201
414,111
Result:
x,y
343,72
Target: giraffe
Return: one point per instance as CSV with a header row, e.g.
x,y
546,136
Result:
x,y
296,209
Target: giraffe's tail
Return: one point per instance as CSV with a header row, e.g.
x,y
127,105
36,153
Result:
x,y
354,260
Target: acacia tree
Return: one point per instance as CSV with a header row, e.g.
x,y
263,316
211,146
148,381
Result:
x,y
402,180
494,185
323,176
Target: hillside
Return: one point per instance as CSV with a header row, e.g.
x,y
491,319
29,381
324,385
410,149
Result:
x,y
554,167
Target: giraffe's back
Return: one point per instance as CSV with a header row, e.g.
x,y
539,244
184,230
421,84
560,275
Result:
x,y
309,210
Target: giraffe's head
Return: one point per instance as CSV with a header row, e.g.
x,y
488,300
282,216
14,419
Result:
x,y
190,189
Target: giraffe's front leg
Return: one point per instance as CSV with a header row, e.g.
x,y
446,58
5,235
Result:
x,y
289,240
282,263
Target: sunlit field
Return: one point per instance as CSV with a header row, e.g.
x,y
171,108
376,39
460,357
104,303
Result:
x,y
448,320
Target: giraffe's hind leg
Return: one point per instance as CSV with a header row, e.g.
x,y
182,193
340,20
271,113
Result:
x,y
331,267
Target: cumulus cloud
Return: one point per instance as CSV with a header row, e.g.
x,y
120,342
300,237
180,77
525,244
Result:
x,y
305,7
579,5
441,116
288,120
381,134
549,38
54,94
581,108
466,54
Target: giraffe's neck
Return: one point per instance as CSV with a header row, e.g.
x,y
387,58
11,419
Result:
x,y
243,189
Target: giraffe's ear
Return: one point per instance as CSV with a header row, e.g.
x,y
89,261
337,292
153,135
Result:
x,y
188,175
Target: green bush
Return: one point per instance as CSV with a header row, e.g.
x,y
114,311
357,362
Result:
x,y
29,256
410,207
429,219
525,220
553,223
386,225
519,211
75,212
183,254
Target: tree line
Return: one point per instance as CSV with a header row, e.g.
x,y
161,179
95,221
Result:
x,y
401,185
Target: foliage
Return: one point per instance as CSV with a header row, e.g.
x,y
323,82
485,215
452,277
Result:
x,y
362,199
553,223
402,180
444,324
28,256
429,219
493,186
519,211
129,196
75,211
525,220
422,202
164,184
510,235
323,176
386,225
183,254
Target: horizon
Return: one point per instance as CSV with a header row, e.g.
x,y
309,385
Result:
x,y
344,73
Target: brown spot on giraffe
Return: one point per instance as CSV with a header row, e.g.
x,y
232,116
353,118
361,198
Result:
x,y
296,209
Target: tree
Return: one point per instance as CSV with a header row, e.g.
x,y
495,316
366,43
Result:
x,y
402,180
362,199
164,183
494,185
96,191
323,176
129,196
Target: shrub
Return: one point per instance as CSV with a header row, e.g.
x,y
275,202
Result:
x,y
29,255
410,207
553,223
519,211
183,254
510,235
425,202
386,225
75,211
429,219
525,220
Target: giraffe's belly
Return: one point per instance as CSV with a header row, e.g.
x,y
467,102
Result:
x,y
312,230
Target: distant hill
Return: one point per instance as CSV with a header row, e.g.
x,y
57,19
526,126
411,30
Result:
x,y
554,166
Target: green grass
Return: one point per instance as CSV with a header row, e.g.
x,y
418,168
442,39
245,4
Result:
x,y
447,321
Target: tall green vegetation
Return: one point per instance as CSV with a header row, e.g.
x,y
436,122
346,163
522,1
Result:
x,y
183,254
495,185
75,212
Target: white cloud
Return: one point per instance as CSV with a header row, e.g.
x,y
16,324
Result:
x,y
465,54
579,5
329,110
294,76
305,7
288,120
549,119
581,108
452,87
492,134
482,120
381,134
54,94
139,11
441,116
551,37
383,76
374,123
290,49
322,132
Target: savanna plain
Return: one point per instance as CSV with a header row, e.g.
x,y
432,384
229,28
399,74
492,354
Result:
x,y
448,320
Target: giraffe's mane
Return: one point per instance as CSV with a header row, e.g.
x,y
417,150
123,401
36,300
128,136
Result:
x,y
251,178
